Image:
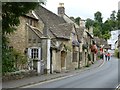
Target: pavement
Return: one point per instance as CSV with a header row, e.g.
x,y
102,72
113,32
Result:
x,y
41,78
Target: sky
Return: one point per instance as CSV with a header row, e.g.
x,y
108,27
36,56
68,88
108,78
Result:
x,y
84,8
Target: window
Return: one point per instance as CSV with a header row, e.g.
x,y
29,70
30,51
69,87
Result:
x,y
35,23
34,53
29,40
30,21
74,55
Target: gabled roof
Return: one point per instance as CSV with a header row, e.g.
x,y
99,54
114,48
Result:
x,y
36,31
107,46
97,40
79,33
30,15
68,20
62,30
89,34
49,18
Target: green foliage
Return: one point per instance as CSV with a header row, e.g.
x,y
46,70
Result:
x,y
89,23
98,17
11,11
12,60
101,29
113,16
7,61
106,36
118,19
77,20
96,31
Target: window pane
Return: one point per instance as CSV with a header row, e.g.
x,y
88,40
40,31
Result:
x,y
34,53
74,56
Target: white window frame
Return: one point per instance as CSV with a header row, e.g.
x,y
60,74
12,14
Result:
x,y
30,52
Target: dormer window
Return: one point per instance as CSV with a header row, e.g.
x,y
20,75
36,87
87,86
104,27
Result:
x,y
30,21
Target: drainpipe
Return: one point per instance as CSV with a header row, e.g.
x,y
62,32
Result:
x,y
79,58
48,56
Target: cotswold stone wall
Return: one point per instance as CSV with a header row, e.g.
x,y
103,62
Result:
x,y
18,75
18,38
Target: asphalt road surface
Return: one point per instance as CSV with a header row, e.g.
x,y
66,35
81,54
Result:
x,y
105,76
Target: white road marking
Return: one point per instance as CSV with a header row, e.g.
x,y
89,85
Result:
x,y
48,81
102,64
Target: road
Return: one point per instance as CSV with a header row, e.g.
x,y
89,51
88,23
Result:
x,y
105,76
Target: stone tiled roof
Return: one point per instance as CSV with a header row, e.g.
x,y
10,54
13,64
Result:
x,y
89,34
103,41
62,30
107,46
97,40
80,33
36,31
49,18
31,15
100,41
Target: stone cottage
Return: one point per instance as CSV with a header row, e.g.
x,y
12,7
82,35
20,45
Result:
x,y
27,39
64,44
83,36
52,43
47,39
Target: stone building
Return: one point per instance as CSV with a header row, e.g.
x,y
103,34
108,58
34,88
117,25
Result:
x,y
64,54
84,36
50,40
46,37
27,39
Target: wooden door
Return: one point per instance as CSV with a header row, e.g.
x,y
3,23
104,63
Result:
x,y
63,55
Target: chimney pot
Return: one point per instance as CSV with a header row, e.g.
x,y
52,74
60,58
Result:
x,y
61,10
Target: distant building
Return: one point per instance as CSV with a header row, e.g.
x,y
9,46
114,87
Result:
x,y
114,38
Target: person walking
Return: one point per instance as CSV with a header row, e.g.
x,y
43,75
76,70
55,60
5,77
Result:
x,y
101,53
108,55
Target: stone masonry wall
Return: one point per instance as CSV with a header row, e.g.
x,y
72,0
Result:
x,y
18,38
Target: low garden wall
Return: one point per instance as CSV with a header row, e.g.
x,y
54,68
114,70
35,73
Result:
x,y
18,75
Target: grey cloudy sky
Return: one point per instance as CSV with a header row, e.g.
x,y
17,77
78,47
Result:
x,y
84,8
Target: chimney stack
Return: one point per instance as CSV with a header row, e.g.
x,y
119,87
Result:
x,y
61,9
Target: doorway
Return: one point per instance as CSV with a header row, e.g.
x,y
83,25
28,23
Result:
x,y
63,57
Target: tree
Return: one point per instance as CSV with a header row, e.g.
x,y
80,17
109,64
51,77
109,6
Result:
x,y
89,23
118,19
77,20
102,29
98,17
112,20
11,11
96,31
113,16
